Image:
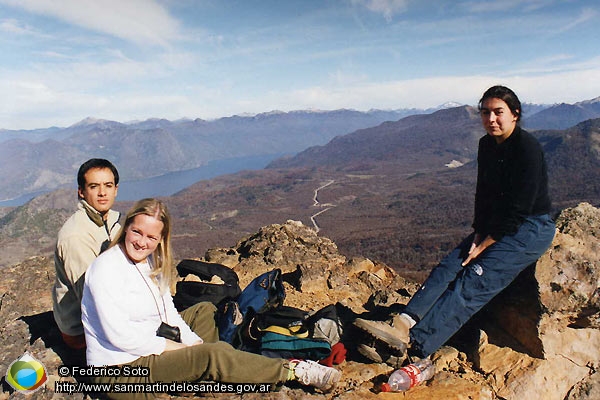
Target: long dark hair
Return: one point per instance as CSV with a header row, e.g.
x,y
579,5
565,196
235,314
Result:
x,y
505,94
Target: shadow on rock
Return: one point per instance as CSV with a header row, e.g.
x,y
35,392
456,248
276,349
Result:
x,y
42,326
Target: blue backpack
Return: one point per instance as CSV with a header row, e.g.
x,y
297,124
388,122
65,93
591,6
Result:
x,y
264,292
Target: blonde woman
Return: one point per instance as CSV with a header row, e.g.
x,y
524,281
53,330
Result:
x,y
130,320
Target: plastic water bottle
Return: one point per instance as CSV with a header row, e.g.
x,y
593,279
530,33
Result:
x,y
409,376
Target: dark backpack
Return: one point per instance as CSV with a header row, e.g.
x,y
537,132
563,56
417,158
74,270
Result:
x,y
277,345
284,320
289,332
264,292
189,293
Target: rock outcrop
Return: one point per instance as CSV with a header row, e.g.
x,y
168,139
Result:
x,y
539,339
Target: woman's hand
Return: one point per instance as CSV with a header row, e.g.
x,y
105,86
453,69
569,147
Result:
x,y
477,247
476,241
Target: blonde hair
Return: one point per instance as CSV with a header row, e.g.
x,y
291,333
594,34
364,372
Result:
x,y
162,258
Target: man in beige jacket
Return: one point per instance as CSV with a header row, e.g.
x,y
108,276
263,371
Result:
x,y
80,240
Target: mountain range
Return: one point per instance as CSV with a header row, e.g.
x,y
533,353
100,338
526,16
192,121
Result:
x,y
37,161
563,116
391,192
46,159
400,192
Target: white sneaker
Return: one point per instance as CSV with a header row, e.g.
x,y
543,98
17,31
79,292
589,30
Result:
x,y
311,373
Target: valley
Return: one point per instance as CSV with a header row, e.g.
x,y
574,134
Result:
x,y
386,193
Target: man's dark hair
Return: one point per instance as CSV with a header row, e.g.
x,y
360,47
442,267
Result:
x,y
95,163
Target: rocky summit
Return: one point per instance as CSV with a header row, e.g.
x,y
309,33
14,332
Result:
x,y
540,338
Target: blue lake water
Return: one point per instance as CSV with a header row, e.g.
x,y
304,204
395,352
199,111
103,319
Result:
x,y
171,183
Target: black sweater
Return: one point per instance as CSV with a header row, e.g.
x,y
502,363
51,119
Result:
x,y
512,183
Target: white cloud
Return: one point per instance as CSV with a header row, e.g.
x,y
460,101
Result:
x,y
53,55
586,15
40,105
84,76
564,86
418,93
504,5
387,8
37,105
23,91
139,21
15,27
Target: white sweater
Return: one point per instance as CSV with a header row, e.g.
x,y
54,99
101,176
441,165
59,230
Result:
x,y
119,312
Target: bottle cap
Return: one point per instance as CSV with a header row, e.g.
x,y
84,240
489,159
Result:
x,y
386,387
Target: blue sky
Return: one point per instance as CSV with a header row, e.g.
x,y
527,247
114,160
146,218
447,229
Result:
x,y
125,60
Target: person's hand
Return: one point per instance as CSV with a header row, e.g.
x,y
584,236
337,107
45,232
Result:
x,y
478,248
476,241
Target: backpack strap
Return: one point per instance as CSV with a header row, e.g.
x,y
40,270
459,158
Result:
x,y
299,331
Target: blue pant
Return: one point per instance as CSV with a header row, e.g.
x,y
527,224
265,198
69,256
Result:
x,y
452,294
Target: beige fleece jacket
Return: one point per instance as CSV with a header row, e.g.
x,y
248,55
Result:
x,y
79,242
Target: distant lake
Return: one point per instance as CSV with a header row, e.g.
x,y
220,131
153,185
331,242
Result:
x,y
173,182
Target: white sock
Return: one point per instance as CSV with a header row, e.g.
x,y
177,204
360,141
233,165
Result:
x,y
410,320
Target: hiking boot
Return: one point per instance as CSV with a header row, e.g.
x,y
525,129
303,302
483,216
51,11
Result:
x,y
394,334
381,355
313,374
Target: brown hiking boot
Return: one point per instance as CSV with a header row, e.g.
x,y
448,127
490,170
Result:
x,y
394,333
379,354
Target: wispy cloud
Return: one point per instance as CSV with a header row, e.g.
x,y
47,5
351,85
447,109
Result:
x,y
54,55
15,27
504,5
559,64
138,21
387,8
586,15
562,86
64,106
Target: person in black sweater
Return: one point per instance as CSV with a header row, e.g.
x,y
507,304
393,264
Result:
x,y
512,229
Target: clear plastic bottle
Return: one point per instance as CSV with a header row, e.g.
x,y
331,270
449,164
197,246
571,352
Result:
x,y
409,376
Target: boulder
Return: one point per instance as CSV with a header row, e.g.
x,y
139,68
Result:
x,y
542,334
